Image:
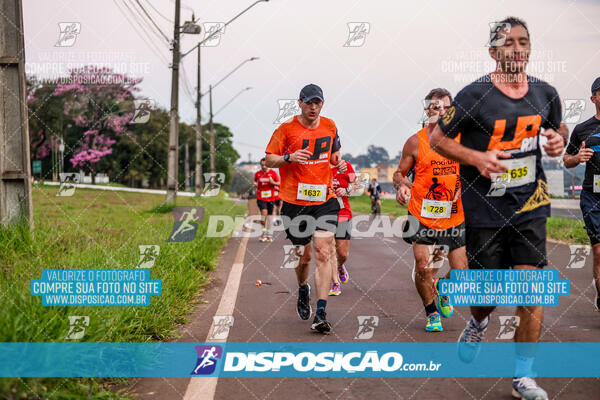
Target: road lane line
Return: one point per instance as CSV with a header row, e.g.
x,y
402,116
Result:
x,y
204,388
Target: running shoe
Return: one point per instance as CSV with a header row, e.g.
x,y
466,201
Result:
x,y
443,302
303,306
335,290
269,237
320,323
526,388
263,237
343,274
434,323
469,342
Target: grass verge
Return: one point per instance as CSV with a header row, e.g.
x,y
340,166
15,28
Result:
x,y
100,229
567,230
362,205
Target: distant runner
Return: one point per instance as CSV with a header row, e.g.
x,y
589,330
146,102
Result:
x,y
266,181
342,184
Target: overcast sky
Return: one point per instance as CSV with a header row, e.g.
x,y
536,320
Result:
x,y
372,91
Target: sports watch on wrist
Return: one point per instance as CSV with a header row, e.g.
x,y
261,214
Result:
x,y
286,158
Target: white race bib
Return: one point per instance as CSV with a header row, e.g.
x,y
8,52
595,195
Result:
x,y
311,192
521,171
596,183
436,209
265,193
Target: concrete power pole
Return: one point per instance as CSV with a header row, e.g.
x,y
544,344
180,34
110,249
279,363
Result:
x,y
172,166
212,133
186,167
15,166
198,175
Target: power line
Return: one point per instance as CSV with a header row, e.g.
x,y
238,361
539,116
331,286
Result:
x,y
150,45
141,20
159,13
151,20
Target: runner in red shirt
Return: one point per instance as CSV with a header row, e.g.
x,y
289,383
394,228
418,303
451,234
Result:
x,y
342,184
267,182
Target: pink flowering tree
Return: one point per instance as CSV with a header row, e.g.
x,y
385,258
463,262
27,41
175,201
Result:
x,y
100,102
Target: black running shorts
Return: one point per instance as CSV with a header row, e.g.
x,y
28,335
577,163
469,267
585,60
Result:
x,y
415,232
502,248
300,222
265,205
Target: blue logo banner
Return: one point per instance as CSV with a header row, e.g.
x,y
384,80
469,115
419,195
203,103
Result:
x,y
301,359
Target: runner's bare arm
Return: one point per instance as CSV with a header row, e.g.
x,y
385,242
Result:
x,y
584,155
485,161
408,159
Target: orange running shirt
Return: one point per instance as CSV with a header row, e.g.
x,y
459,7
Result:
x,y
437,180
309,183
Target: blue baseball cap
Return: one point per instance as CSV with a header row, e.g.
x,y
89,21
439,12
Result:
x,y
310,92
596,85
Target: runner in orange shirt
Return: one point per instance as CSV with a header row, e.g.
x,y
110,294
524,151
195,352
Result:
x,y
303,148
435,214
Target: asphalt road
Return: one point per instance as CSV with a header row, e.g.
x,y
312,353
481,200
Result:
x,y
380,285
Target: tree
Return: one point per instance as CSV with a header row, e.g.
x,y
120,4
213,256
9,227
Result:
x,y
378,155
99,101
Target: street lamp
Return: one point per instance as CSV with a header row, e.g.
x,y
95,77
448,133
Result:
x,y
231,101
198,169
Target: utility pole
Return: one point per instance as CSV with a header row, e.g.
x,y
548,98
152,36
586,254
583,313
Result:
x,y
172,170
198,176
15,165
212,134
186,167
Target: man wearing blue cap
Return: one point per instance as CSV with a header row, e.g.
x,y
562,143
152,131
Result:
x,y
584,147
303,147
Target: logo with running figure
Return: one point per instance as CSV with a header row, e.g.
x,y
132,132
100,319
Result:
x,y
498,33
68,33
142,110
212,183
213,32
579,254
185,226
291,255
207,359
573,110
220,327
508,327
287,109
148,254
77,325
68,184
439,191
366,326
357,33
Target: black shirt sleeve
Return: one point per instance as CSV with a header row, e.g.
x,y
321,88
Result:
x,y
555,115
574,141
460,115
336,143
